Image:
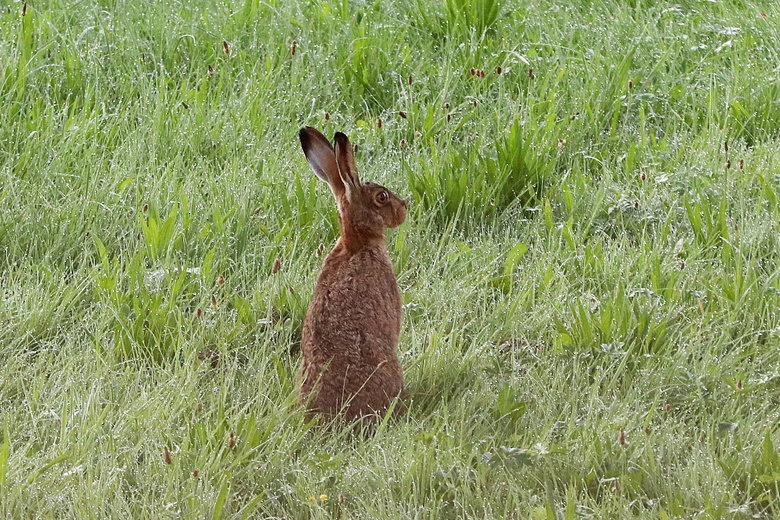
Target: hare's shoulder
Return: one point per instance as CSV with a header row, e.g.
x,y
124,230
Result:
x,y
360,287
356,303
365,270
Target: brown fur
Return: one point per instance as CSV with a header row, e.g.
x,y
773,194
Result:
x,y
350,334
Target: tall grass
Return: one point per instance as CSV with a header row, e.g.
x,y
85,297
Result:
x,y
589,268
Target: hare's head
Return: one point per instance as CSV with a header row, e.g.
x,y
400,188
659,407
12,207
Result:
x,y
365,209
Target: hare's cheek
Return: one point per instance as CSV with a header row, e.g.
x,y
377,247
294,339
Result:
x,y
388,219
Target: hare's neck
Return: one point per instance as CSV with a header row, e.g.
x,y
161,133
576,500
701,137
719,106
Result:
x,y
353,240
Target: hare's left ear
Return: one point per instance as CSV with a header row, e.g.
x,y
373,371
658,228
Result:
x,y
345,159
322,159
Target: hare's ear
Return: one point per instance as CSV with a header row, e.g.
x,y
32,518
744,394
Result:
x,y
322,158
345,158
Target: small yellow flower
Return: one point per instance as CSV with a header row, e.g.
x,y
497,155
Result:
x,y
323,498
312,499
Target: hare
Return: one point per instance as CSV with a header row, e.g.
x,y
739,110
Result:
x,y
350,335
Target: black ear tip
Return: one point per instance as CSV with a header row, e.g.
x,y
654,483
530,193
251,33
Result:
x,y
313,140
304,136
342,140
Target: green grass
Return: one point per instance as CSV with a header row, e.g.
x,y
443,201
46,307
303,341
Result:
x,y
591,323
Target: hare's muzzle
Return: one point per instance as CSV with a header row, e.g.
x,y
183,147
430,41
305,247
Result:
x,y
400,213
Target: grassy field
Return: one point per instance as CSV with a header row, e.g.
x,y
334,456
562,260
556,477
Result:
x,y
589,268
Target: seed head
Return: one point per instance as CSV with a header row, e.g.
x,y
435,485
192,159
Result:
x,y
741,164
231,443
472,71
498,70
294,47
24,9
226,47
210,72
622,437
630,84
220,280
531,74
726,147
167,455
728,164
379,123
327,116
410,79
402,114
277,266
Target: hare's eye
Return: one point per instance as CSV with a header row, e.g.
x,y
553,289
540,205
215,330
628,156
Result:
x,y
382,197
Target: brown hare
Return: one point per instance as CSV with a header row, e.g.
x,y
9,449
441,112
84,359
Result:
x,y
350,334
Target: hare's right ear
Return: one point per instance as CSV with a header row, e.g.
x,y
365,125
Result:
x,y
322,158
345,160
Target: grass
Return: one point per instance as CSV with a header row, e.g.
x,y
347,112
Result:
x,y
589,268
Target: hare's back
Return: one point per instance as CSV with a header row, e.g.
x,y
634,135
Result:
x,y
358,294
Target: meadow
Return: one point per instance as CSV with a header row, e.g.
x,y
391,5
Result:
x,y
589,267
